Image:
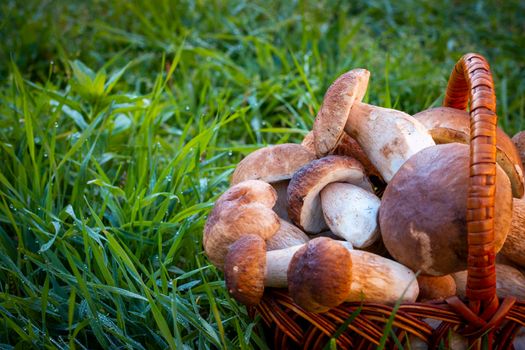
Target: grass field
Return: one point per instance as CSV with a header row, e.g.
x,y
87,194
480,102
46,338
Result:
x,y
121,122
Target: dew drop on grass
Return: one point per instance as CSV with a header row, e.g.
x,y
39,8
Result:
x,y
56,124
168,178
45,155
230,153
52,62
187,108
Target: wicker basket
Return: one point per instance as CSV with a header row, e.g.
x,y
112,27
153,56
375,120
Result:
x,y
487,322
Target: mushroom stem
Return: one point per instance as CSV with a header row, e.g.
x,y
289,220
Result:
x,y
277,262
324,273
351,213
514,245
388,137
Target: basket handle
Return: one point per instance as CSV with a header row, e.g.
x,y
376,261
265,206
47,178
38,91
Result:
x,y
471,80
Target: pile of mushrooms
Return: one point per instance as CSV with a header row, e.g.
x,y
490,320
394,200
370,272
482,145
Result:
x,y
310,217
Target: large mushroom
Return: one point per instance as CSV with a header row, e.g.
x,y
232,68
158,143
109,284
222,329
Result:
x,y
303,191
424,208
249,268
274,165
387,136
447,125
243,209
324,273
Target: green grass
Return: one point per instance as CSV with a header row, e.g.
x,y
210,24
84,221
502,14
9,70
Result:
x,y
121,122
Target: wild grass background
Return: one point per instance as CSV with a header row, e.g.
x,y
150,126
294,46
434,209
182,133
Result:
x,y
121,122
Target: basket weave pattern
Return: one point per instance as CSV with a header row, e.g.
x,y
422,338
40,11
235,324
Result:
x,y
361,325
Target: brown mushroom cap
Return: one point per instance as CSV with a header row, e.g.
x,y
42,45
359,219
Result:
x,y
273,163
304,203
320,275
330,121
245,268
249,191
245,208
448,125
423,210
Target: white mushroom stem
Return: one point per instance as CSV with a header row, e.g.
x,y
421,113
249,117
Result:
x,y
514,245
377,279
388,137
351,213
277,262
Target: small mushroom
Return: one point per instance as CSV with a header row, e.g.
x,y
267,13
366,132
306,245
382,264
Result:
x,y
288,235
448,125
324,273
304,204
424,207
387,136
351,213
242,209
435,287
249,268
274,165
509,282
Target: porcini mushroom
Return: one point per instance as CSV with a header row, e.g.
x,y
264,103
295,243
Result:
x,y
244,208
274,165
324,273
387,136
424,208
304,204
447,125
249,268
351,212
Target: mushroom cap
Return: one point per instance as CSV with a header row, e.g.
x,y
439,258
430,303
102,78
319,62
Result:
x,y
273,163
288,235
425,208
330,121
245,208
320,275
245,268
304,204
448,125
351,212
435,287
248,191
